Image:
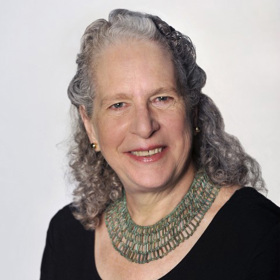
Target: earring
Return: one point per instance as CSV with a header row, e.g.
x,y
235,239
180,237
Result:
x,y
93,146
196,130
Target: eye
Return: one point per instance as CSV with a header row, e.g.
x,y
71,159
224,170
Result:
x,y
117,106
163,98
163,101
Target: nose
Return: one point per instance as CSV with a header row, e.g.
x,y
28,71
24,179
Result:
x,y
144,122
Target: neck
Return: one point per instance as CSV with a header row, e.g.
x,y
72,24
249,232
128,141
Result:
x,y
149,207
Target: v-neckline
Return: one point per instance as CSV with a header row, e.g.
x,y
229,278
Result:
x,y
207,232
204,236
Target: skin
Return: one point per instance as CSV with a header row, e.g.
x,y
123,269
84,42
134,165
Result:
x,y
140,110
137,109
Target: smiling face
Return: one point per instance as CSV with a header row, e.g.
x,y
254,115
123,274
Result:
x,y
139,119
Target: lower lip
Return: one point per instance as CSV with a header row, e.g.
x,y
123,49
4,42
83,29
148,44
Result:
x,y
148,159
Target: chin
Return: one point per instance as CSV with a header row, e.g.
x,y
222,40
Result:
x,y
149,183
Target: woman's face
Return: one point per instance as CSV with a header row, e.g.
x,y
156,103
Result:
x,y
139,119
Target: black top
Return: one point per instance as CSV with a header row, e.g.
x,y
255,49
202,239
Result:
x,y
241,242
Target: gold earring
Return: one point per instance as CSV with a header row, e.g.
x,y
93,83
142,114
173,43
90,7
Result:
x,y
93,146
196,130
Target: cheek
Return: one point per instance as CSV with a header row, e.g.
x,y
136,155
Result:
x,y
104,135
180,131
179,122
110,133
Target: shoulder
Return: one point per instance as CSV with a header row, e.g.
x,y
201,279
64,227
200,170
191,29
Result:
x,y
65,224
250,214
69,248
254,204
258,220
66,236
63,217
64,214
248,230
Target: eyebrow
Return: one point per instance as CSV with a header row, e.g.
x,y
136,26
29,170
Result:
x,y
117,96
164,90
125,96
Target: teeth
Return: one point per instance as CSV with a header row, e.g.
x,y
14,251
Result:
x,y
147,153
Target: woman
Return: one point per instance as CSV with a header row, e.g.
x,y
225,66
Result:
x,y
160,191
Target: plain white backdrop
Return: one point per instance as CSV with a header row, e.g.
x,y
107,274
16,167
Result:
x,y
237,45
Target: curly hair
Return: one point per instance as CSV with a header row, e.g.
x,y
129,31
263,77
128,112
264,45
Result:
x,y
218,153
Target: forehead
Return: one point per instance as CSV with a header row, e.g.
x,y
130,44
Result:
x,y
132,66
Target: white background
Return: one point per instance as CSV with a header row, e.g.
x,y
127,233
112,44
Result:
x,y
237,44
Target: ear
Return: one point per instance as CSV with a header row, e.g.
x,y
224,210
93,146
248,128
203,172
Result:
x,y
89,127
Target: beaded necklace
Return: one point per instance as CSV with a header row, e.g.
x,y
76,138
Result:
x,y
143,244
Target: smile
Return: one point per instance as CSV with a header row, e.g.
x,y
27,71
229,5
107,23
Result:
x,y
147,153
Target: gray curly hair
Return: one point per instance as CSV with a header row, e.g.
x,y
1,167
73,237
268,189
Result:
x,y
218,153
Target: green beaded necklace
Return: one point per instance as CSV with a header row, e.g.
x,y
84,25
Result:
x,y
143,244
